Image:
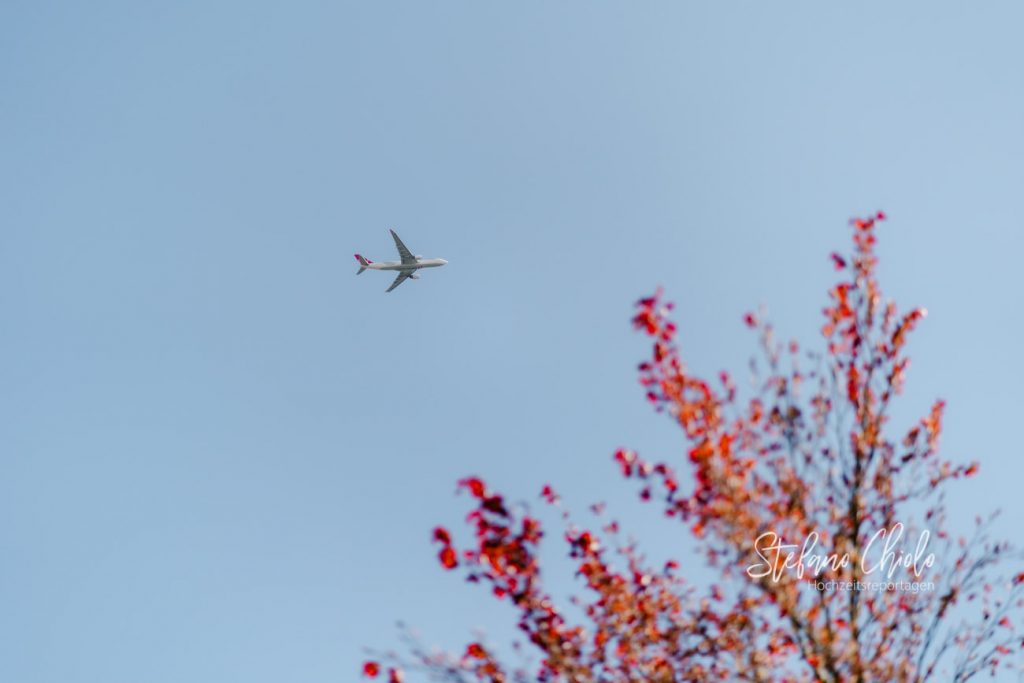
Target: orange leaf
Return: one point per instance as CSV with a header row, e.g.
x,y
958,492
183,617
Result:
x,y
475,651
448,558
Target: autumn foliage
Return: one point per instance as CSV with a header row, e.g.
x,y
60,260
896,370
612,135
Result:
x,y
807,454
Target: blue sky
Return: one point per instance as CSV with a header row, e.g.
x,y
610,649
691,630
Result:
x,y
222,453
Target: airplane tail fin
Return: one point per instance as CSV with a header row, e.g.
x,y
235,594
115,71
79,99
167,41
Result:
x,y
363,262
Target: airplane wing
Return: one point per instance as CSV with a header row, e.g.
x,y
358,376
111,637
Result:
x,y
403,251
403,275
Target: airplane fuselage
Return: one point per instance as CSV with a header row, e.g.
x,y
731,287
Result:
x,y
398,265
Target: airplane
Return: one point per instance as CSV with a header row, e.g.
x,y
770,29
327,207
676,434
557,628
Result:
x,y
406,268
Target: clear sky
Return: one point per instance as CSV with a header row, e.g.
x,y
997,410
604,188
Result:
x,y
221,452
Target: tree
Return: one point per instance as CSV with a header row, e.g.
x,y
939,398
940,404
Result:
x,y
829,533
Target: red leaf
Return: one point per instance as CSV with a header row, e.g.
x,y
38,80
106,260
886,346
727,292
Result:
x,y
371,669
548,494
475,486
442,536
838,260
625,459
496,505
853,384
